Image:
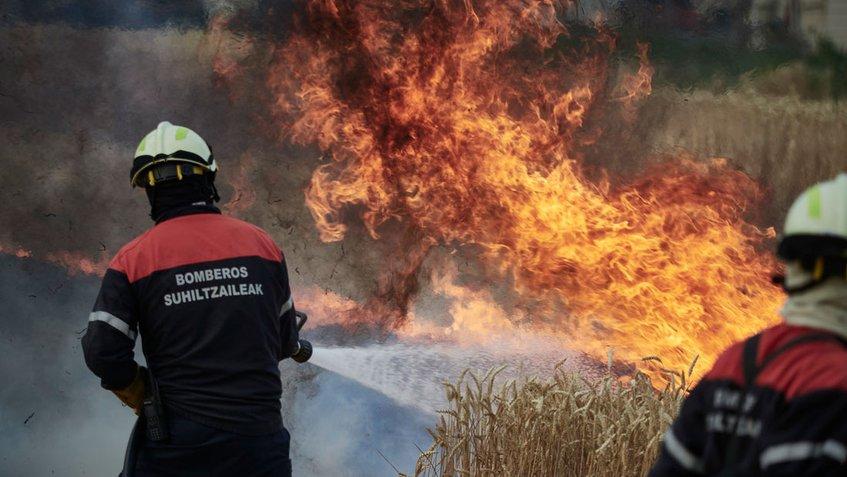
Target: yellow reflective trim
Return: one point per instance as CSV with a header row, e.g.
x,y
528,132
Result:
x,y
150,178
818,273
815,202
197,169
179,172
181,134
138,175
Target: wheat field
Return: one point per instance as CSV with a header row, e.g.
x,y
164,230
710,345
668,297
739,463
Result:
x,y
564,425
783,142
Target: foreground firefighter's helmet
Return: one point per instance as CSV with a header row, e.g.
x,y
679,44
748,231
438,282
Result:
x,y
171,153
814,242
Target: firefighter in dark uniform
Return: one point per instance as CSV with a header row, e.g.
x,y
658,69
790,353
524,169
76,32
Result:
x,y
776,404
209,295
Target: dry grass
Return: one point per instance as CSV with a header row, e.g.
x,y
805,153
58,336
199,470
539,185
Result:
x,y
562,426
786,143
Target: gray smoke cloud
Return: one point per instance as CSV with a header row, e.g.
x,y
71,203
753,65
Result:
x,y
53,417
56,420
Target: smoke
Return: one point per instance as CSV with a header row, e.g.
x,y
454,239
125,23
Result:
x,y
54,416
57,420
107,13
340,427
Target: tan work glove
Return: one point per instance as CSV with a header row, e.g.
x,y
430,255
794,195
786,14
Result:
x,y
133,395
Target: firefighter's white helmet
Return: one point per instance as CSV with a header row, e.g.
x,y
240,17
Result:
x,y
814,239
171,152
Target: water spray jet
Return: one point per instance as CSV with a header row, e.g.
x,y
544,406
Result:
x,y
413,373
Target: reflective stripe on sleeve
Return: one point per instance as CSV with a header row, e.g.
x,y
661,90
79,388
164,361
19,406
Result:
x,y
112,321
287,305
682,455
794,451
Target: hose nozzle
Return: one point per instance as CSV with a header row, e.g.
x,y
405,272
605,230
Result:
x,y
304,348
304,351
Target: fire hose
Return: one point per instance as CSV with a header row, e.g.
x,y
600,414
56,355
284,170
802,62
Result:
x,y
151,415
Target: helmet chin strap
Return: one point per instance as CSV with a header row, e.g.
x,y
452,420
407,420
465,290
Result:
x,y
215,196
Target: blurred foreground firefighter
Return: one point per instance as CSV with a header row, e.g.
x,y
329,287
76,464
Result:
x,y
776,404
209,295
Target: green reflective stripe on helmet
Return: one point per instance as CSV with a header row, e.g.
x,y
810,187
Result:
x,y
173,144
815,202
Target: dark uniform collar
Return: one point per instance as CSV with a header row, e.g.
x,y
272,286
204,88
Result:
x,y
187,210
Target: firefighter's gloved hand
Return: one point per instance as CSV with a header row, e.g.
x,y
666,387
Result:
x,y
304,351
133,395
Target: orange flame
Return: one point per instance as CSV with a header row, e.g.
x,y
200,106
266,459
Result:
x,y
638,86
466,121
73,262
16,251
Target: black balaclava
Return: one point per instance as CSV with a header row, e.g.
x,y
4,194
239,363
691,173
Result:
x,y
171,198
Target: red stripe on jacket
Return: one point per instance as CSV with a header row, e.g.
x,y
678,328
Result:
x,y
804,369
192,239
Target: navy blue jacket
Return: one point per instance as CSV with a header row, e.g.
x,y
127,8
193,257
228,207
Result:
x,y
793,419
209,295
